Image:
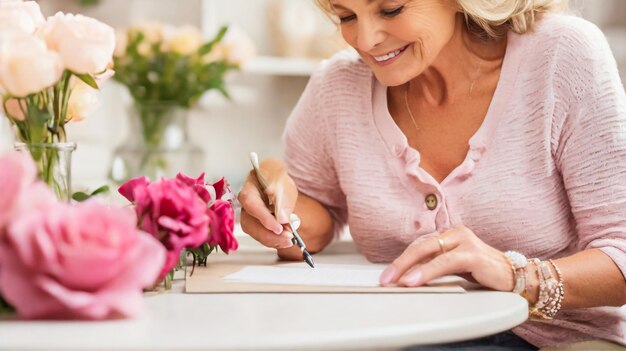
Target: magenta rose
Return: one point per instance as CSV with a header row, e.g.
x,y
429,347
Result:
x,y
198,184
222,226
172,212
207,192
85,261
222,188
220,212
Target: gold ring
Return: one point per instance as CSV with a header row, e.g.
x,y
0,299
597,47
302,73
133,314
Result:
x,y
442,245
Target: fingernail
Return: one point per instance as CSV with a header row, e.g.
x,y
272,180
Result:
x,y
282,216
413,279
278,229
289,234
387,276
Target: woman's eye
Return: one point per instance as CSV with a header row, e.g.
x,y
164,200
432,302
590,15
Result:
x,y
344,19
391,13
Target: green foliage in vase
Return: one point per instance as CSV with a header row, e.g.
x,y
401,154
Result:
x,y
176,68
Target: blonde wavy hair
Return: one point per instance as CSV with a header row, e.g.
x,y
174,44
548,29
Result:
x,y
492,19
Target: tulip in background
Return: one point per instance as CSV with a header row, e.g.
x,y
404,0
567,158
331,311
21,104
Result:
x,y
167,69
69,261
184,214
49,71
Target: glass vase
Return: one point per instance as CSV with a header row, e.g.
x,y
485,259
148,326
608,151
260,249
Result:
x,y
157,144
54,165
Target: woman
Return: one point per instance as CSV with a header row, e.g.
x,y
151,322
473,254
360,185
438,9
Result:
x,y
462,130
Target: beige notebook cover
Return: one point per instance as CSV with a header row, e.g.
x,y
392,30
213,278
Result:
x,y
209,280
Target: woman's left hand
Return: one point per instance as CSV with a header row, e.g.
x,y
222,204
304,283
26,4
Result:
x,y
456,251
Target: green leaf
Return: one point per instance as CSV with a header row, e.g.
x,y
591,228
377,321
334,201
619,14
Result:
x,y
88,79
206,48
101,190
79,196
37,122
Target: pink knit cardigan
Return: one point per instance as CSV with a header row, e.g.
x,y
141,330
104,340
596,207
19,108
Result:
x,y
545,173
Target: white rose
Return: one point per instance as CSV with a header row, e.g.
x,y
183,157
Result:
x,y
85,44
27,66
238,46
83,101
25,16
184,40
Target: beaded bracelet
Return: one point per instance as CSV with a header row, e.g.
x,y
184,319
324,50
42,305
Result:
x,y
551,291
561,289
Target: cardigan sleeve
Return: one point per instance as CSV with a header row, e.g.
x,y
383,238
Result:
x,y
591,147
309,150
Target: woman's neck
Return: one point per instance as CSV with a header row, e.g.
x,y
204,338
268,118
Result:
x,y
459,67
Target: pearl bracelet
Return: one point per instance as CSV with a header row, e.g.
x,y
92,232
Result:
x,y
518,264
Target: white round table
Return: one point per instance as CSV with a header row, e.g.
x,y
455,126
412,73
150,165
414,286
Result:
x,y
178,321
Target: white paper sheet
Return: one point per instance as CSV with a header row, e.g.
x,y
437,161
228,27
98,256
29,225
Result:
x,y
322,274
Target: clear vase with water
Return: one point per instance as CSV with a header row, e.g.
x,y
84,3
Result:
x,y
157,144
54,165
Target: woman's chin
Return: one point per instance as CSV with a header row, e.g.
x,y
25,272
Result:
x,y
392,79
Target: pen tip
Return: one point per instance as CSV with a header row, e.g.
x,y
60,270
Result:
x,y
308,259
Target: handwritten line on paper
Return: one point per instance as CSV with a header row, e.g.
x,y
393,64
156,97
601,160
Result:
x,y
322,275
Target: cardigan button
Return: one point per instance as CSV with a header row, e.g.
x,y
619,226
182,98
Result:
x,y
431,201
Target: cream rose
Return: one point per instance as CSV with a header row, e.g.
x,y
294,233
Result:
x,y
238,47
83,101
13,108
184,40
27,66
85,44
25,16
152,31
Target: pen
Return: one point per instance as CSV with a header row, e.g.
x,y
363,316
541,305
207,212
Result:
x,y
296,240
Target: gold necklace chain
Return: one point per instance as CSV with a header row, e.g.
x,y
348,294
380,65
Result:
x,y
408,108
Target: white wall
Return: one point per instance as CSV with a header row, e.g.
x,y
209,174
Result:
x,y
254,120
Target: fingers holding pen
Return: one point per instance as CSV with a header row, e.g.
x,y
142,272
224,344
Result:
x,y
256,230
253,204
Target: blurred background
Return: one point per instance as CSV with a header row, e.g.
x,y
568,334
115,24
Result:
x,y
291,36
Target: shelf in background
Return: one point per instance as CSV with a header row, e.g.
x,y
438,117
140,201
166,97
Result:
x,y
282,66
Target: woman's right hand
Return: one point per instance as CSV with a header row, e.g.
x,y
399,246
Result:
x,y
256,218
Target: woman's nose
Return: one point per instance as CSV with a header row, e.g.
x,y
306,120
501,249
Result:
x,y
369,35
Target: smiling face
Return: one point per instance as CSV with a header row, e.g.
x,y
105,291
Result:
x,y
398,39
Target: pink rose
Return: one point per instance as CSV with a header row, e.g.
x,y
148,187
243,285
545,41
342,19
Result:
x,y
27,66
18,190
86,261
172,212
85,44
222,226
25,16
